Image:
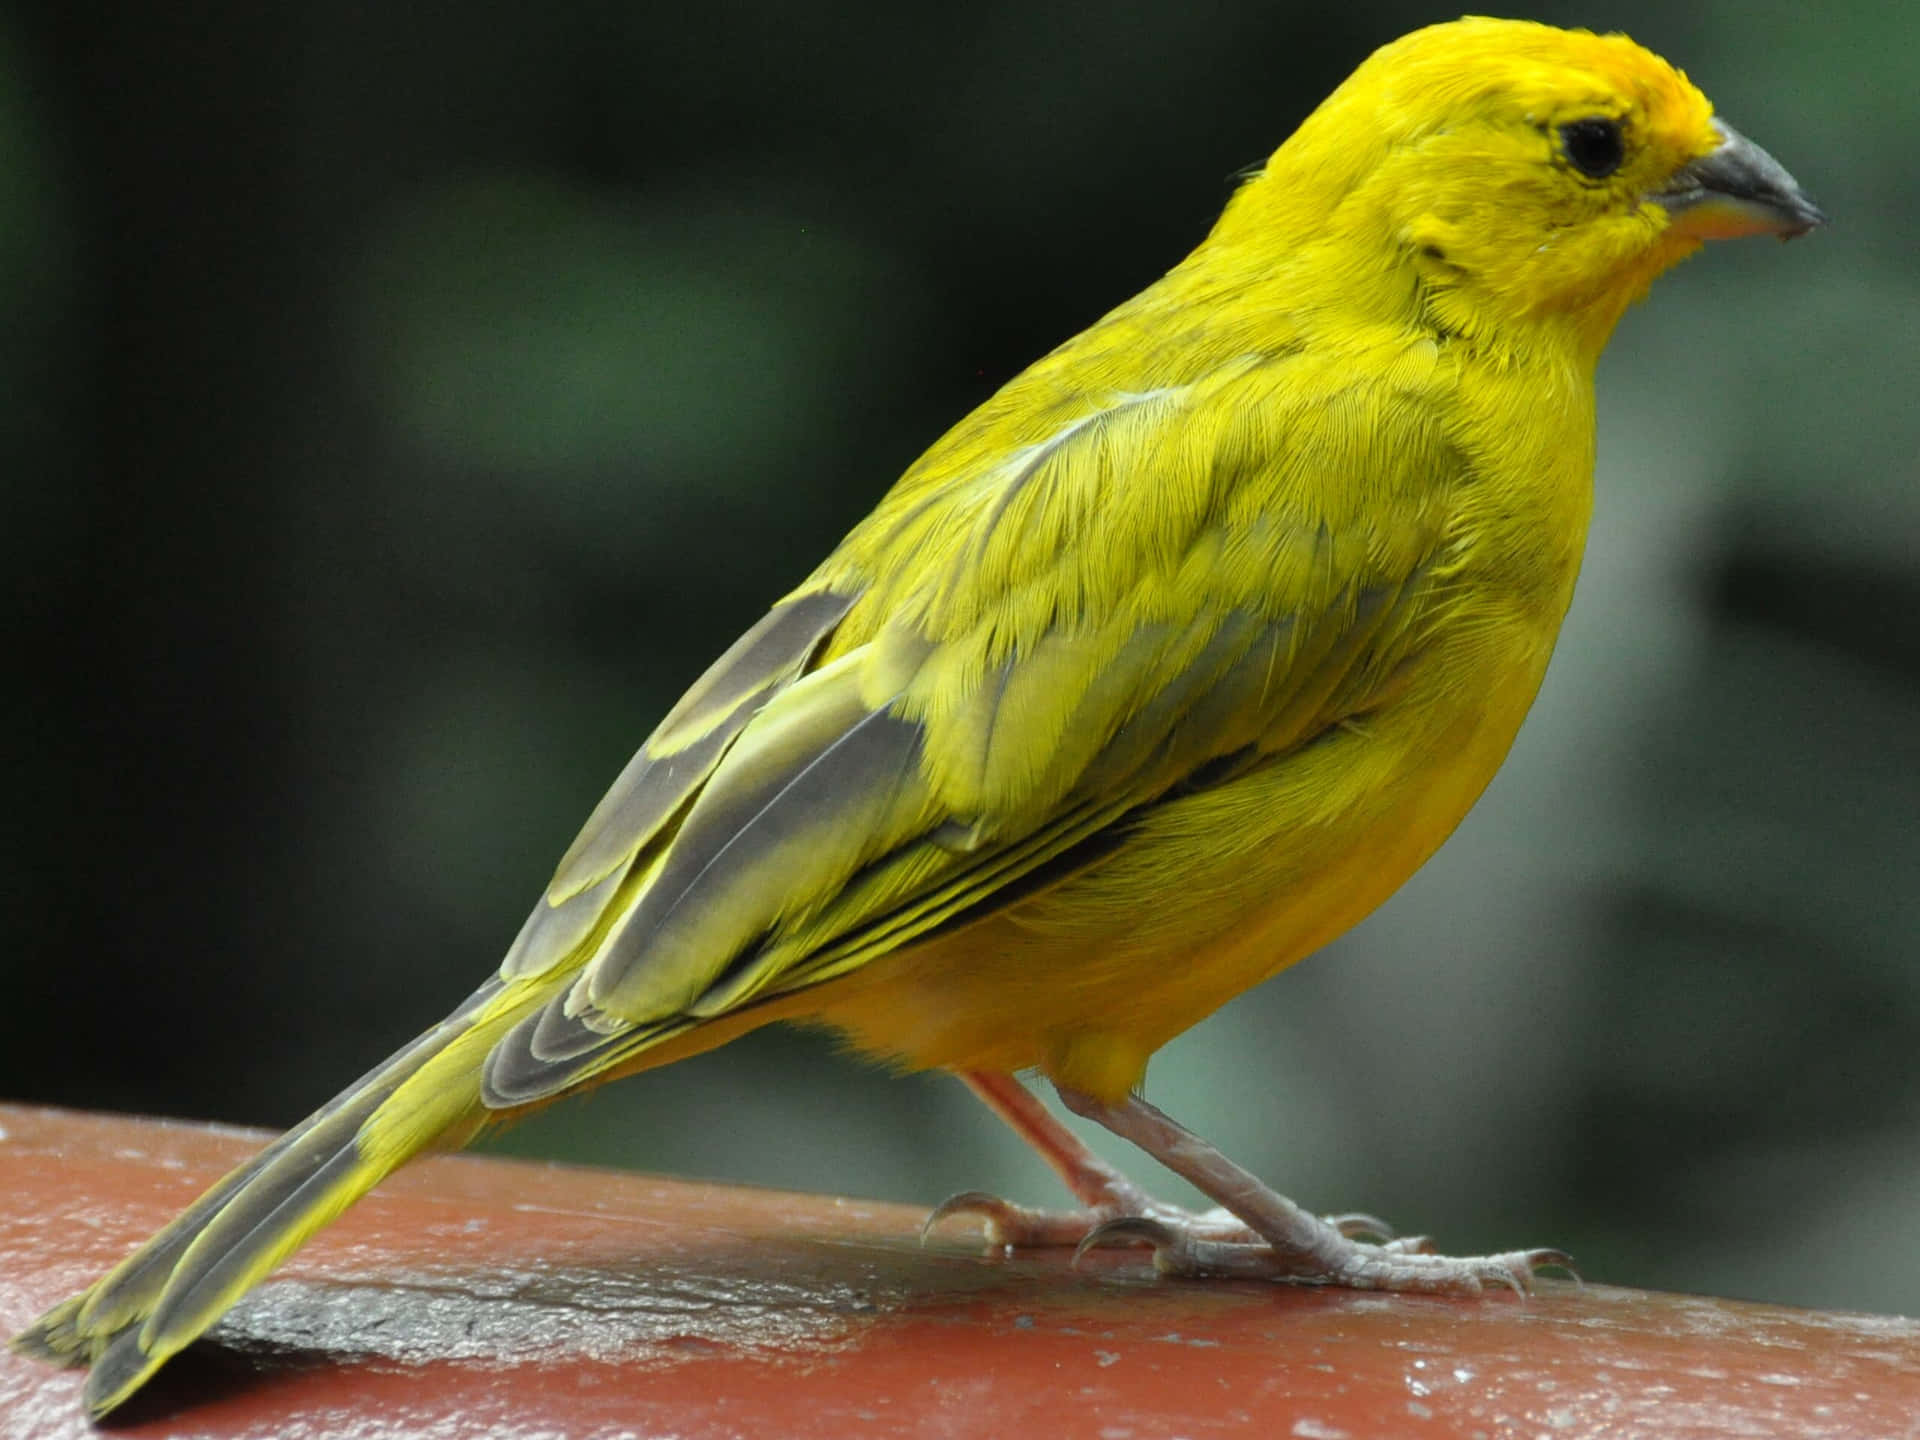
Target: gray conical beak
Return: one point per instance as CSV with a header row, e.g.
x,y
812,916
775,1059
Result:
x,y
1739,189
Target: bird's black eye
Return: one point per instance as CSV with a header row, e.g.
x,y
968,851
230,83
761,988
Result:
x,y
1593,147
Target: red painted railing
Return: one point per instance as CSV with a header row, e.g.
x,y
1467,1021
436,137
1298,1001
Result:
x,y
477,1298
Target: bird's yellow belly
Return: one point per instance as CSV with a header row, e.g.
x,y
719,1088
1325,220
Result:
x,y
1214,893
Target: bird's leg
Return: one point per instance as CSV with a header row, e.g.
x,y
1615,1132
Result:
x,y
1293,1245
1105,1193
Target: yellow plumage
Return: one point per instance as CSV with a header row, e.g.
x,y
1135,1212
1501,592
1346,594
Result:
x,y
1158,671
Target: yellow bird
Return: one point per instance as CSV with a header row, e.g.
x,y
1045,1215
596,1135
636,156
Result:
x,y
1157,672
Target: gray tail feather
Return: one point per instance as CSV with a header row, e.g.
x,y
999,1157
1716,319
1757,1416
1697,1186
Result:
x,y
103,1325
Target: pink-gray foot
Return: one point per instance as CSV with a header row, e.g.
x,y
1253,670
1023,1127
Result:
x,y
1290,1244
1107,1221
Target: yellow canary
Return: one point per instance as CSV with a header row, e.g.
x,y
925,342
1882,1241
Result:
x,y
1158,671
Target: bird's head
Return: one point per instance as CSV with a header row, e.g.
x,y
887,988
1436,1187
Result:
x,y
1502,171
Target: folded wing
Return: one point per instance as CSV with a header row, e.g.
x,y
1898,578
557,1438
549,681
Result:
x,y
994,673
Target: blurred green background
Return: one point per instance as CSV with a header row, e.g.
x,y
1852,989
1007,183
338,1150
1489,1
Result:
x,y
400,405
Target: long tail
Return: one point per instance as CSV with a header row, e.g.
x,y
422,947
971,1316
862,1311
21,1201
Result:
x,y
182,1280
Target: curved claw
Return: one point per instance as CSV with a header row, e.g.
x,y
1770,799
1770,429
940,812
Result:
x,y
1538,1260
1409,1245
978,1203
1359,1226
1518,1269
1127,1230
1510,1276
